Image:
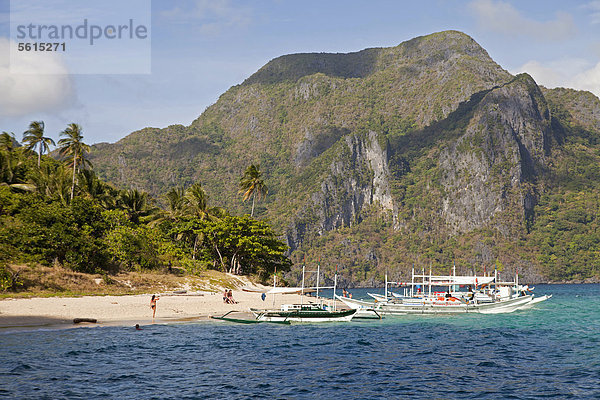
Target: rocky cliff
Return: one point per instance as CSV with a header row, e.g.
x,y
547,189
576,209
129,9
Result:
x,y
358,179
498,158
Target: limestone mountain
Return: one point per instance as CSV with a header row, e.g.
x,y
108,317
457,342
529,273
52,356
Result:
x,y
427,153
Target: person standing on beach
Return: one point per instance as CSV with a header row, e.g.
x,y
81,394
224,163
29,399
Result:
x,y
153,304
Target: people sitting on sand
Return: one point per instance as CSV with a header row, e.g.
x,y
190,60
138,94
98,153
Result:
x,y
225,299
230,299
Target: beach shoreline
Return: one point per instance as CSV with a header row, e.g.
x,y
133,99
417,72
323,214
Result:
x,y
129,310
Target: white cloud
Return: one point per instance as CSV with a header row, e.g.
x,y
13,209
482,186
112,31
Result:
x,y
22,94
571,73
213,16
501,17
542,74
588,80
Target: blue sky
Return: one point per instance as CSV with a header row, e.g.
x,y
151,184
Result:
x,y
200,48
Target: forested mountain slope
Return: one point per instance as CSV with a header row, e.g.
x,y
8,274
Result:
x,y
427,153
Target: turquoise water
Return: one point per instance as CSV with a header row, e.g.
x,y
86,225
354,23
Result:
x,y
551,351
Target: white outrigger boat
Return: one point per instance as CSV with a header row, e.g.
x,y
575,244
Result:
x,y
433,294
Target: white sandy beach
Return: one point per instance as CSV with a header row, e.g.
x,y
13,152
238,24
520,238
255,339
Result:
x,y
129,310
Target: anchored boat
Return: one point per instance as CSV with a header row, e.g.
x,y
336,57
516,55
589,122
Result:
x,y
434,294
310,312
303,313
240,320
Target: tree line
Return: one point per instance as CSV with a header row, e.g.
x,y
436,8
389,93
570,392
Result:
x,y
55,209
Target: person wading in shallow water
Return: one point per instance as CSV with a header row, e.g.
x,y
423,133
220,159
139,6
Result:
x,y
153,305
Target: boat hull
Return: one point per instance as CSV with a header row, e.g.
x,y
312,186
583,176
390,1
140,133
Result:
x,y
355,304
364,309
418,306
310,316
247,321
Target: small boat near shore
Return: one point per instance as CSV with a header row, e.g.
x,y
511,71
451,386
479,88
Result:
x,y
303,313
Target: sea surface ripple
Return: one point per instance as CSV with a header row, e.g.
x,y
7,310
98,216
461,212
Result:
x,y
550,351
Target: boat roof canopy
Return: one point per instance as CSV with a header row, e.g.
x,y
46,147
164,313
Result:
x,y
448,280
289,290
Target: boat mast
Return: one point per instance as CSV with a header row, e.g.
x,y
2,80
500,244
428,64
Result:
x,y
318,272
334,287
302,295
430,279
386,283
274,284
496,294
412,282
455,287
423,281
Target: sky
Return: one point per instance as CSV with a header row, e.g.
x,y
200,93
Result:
x,y
200,48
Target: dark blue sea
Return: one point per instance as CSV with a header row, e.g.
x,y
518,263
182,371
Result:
x,y
550,351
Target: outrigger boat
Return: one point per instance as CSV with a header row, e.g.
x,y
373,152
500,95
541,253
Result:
x,y
310,312
420,296
303,313
228,318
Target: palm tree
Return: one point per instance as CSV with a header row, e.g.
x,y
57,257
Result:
x,y
53,181
252,184
196,204
92,187
34,137
176,200
12,166
137,204
72,145
8,142
196,201
7,161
